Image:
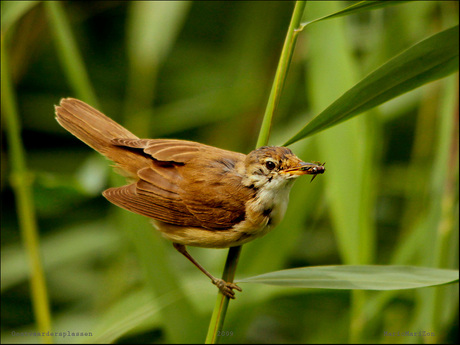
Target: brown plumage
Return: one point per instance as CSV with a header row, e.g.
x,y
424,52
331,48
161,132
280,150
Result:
x,y
196,194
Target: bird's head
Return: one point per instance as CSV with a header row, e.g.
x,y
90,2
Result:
x,y
276,166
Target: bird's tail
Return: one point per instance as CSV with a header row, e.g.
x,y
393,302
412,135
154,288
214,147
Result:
x,y
97,130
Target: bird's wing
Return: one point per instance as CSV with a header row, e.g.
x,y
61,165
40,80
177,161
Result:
x,y
169,150
141,198
215,199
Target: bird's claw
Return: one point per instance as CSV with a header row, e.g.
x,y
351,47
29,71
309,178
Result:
x,y
227,288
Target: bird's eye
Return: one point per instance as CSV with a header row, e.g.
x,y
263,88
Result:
x,y
270,165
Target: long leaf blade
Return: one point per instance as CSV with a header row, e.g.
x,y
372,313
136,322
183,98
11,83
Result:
x,y
428,60
365,277
356,8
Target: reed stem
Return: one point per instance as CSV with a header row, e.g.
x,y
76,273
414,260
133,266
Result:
x,y
220,308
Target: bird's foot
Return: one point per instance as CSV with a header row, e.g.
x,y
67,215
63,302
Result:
x,y
226,288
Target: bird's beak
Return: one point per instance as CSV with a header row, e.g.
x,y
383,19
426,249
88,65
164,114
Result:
x,y
304,168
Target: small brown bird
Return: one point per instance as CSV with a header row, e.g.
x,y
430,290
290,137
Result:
x,y
196,195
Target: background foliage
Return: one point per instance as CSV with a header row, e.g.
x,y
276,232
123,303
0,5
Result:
x,y
203,71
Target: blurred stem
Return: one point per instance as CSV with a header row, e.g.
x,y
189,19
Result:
x,y
152,30
220,308
21,182
69,55
357,322
446,205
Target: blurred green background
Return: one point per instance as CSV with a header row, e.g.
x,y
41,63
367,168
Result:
x,y
203,71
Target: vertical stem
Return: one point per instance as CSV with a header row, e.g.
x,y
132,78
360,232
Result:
x,y
281,72
21,182
220,308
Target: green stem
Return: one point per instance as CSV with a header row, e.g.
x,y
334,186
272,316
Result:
x,y
21,182
220,308
281,72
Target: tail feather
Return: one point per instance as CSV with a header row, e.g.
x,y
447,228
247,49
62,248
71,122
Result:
x,y
97,130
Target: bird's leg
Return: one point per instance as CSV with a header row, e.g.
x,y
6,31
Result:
x,y
225,287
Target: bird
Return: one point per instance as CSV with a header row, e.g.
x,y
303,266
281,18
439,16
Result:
x,y
195,194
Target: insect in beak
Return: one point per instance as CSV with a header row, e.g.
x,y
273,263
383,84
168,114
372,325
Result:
x,y
304,168
319,169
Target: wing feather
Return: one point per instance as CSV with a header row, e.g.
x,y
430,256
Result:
x,y
167,150
135,200
164,179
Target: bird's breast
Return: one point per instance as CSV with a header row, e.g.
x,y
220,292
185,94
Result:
x,y
264,212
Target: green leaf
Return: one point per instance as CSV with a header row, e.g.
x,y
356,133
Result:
x,y
428,60
355,8
365,277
